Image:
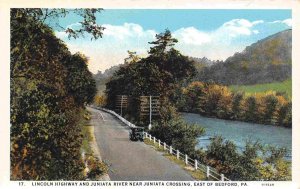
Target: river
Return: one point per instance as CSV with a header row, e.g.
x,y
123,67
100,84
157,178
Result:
x,y
239,132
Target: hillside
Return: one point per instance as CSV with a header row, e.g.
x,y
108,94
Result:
x,y
266,61
102,78
284,87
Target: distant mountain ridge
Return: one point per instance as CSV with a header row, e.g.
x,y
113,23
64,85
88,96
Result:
x,y
268,60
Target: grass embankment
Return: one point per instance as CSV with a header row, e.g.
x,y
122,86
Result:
x,y
196,174
94,168
284,87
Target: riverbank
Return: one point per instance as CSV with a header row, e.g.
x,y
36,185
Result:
x,y
240,132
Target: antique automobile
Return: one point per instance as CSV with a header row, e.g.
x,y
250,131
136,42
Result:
x,y
136,133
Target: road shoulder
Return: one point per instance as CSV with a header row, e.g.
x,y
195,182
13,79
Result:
x,y
95,148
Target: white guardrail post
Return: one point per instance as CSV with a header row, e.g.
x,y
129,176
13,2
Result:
x,y
196,164
159,143
186,159
165,146
177,154
222,177
207,171
154,139
170,149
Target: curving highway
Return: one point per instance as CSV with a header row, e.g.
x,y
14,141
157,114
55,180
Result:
x,y
127,160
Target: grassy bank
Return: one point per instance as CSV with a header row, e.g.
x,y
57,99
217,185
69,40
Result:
x,y
94,168
284,87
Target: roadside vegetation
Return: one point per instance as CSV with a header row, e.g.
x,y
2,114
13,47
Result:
x,y
49,89
94,168
255,162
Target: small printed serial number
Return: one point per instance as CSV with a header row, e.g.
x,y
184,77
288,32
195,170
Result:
x,y
267,184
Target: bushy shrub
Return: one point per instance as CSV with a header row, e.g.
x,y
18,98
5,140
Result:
x,y
254,162
176,132
222,155
96,168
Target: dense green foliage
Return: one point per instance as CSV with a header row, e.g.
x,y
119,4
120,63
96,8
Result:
x,y
173,130
158,74
218,101
49,87
266,61
254,162
284,87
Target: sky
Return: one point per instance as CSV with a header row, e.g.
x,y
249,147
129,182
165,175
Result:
x,y
211,33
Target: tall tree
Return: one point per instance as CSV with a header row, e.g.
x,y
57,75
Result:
x,y
45,131
158,74
163,42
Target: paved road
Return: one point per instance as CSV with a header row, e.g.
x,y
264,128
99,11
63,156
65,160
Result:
x,y
130,160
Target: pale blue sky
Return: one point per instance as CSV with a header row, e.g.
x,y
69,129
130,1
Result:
x,y
216,34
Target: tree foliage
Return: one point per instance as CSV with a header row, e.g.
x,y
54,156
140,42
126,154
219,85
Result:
x,y
254,162
179,134
49,86
215,100
192,93
158,74
100,100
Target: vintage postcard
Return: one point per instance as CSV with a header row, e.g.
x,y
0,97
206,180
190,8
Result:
x,y
150,95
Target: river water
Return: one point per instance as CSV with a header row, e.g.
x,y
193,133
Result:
x,y
239,132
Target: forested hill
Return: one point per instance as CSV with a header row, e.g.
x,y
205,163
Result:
x,y
265,61
102,78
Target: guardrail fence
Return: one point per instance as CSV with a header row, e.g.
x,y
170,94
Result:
x,y
210,172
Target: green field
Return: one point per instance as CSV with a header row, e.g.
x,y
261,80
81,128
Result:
x,y
285,86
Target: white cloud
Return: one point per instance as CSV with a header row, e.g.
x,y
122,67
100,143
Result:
x,y
237,27
255,31
287,22
257,22
126,30
61,34
74,25
192,36
111,50
216,44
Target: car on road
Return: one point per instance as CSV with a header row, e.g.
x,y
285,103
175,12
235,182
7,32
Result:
x,y
136,133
